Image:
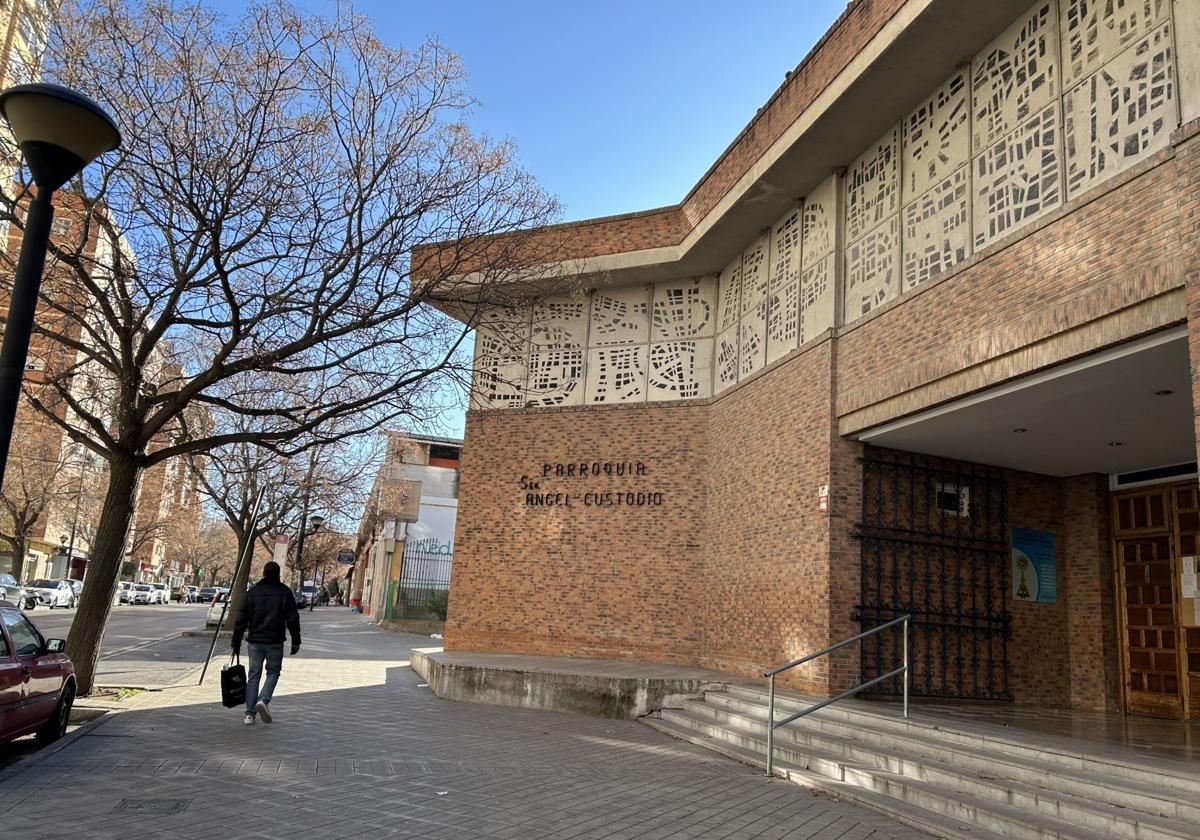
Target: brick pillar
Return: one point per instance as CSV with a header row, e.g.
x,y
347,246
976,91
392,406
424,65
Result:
x,y
1087,575
1187,174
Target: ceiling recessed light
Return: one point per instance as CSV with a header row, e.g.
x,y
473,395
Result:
x,y
1115,443
1166,392
1019,430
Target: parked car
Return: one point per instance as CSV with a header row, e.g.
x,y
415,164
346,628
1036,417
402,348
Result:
x,y
124,590
213,616
164,592
76,585
205,595
37,680
10,590
193,594
143,593
53,593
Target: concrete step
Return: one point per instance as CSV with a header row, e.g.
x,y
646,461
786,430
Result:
x,y
860,739
1159,776
935,824
825,751
1000,819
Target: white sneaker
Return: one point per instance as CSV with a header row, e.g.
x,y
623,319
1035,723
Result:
x,y
248,720
263,712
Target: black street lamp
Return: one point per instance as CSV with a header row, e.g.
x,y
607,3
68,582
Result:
x,y
317,521
60,132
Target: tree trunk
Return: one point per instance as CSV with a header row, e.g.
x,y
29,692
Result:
x,y
20,547
103,572
237,592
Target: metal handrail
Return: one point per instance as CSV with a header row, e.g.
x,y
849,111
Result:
x,y
772,724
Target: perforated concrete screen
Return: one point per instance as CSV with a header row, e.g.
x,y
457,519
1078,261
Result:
x,y
1016,76
1018,178
685,309
620,316
1122,112
937,230
936,137
1093,33
1068,95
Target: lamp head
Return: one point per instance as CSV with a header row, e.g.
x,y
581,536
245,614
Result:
x,y
317,521
60,131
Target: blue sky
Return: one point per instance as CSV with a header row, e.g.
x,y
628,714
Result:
x,y
617,105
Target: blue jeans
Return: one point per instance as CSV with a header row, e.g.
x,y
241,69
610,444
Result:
x,y
273,656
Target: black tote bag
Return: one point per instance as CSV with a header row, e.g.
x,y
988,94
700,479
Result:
x,y
233,683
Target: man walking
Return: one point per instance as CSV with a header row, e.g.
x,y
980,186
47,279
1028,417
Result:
x,y
268,608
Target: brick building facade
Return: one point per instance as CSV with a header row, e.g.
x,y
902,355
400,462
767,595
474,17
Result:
x,y
924,340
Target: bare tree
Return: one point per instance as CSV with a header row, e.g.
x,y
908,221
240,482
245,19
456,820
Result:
x,y
40,476
328,476
278,210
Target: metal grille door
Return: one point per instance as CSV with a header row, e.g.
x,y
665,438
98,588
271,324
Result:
x,y
934,538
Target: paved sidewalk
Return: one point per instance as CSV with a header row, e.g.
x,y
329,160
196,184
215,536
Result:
x,y
360,749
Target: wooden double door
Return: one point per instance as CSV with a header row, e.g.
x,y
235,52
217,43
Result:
x,y
1156,539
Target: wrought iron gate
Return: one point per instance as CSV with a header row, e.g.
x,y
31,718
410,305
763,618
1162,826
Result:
x,y
934,539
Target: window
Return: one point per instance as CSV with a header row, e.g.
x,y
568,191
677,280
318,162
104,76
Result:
x,y
61,227
25,638
953,499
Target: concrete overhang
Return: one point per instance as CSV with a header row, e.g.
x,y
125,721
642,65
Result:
x,y
915,52
1125,409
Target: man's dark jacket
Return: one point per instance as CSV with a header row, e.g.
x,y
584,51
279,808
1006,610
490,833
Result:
x,y
267,609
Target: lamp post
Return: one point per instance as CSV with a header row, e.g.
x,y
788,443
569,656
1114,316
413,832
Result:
x,y
60,132
317,521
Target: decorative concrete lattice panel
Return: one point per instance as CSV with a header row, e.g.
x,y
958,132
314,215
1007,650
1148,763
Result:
x,y
499,382
726,367
755,275
816,298
752,345
681,370
729,292
502,332
937,230
1121,113
783,320
1016,76
616,374
556,377
937,137
684,309
873,186
819,223
1095,31
560,323
1017,179
872,270
620,316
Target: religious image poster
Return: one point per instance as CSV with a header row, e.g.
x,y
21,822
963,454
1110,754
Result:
x,y
1034,568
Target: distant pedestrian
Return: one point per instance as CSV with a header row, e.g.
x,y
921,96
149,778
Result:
x,y
267,610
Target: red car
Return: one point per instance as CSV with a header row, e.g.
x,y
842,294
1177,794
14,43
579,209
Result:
x,y
37,680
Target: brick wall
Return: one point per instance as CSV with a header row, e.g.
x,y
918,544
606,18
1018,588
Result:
x,y
767,583
618,582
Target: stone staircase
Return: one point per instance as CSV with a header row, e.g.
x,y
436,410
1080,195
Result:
x,y
953,782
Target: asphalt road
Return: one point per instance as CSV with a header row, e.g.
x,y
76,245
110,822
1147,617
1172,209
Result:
x,y
127,626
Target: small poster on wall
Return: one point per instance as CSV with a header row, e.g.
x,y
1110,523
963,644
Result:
x,y
1034,568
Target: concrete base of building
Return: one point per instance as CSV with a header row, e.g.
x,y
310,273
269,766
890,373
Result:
x,y
598,687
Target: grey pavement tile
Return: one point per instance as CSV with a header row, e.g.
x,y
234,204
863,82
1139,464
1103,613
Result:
x,y
359,751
